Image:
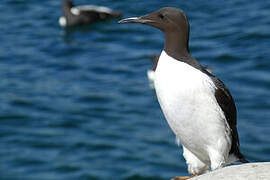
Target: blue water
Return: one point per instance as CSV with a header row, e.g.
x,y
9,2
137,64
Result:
x,y
76,104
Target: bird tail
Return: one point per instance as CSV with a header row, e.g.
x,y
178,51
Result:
x,y
237,158
242,158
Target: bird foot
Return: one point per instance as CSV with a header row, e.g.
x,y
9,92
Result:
x,y
181,178
184,177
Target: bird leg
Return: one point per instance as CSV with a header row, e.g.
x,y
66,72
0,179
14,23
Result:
x,y
184,177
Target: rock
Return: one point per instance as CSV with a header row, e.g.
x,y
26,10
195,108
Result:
x,y
248,171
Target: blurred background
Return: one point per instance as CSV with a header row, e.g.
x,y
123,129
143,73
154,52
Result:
x,y
76,103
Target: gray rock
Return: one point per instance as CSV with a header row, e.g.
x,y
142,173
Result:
x,y
249,171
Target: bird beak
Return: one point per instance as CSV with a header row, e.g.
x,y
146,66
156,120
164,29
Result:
x,y
142,20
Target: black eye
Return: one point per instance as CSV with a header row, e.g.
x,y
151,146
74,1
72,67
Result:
x,y
161,16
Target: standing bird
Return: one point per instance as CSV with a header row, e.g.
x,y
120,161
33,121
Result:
x,y
197,105
84,14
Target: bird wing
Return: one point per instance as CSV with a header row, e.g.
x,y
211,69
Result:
x,y
84,8
226,103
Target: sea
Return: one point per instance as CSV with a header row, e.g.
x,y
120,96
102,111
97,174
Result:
x,y
76,104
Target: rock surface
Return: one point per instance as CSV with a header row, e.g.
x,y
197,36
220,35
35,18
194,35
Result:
x,y
248,171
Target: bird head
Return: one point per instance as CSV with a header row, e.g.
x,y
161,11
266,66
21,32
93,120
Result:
x,y
167,19
67,4
173,22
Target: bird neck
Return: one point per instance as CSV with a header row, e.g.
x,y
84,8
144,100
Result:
x,y
176,45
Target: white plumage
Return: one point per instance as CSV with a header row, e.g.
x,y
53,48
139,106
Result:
x,y
151,77
62,21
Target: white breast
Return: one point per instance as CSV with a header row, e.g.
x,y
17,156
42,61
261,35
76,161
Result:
x,y
186,97
62,21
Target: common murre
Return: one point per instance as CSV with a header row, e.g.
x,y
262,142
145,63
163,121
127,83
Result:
x,y
84,14
198,107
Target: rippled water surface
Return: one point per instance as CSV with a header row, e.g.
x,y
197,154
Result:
x,y
76,103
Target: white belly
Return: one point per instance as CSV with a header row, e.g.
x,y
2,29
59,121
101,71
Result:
x,y
186,97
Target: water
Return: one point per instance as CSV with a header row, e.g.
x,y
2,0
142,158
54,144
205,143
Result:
x,y
77,104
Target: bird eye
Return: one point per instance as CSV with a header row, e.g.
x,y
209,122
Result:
x,y
161,16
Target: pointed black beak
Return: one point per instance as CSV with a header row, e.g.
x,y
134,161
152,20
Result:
x,y
141,20
148,19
